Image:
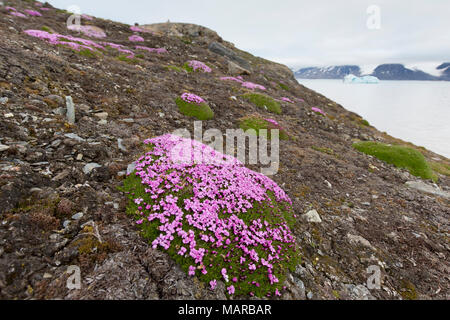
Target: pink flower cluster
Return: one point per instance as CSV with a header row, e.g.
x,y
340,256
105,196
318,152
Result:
x,y
274,122
223,190
285,99
13,11
245,84
87,17
89,31
192,98
33,13
198,65
251,85
136,29
136,38
72,42
151,50
318,110
237,79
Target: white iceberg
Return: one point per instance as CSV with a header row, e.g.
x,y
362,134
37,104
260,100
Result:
x,y
351,78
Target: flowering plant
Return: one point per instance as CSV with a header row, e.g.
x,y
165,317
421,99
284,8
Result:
x,y
89,31
217,218
136,38
157,50
33,13
317,110
285,99
58,39
198,65
192,98
251,85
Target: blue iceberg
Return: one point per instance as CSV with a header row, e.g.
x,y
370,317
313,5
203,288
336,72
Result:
x,y
351,78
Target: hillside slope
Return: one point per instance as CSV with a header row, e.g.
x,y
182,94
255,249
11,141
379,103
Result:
x,y
60,205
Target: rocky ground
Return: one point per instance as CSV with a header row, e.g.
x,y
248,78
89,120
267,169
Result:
x,y
60,205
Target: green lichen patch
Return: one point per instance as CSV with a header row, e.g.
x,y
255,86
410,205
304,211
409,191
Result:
x,y
201,111
264,101
400,156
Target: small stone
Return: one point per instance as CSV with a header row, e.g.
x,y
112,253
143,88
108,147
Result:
x,y
312,216
79,157
103,122
4,100
70,110
9,115
47,276
3,147
161,114
359,240
128,120
120,145
102,115
426,188
310,295
131,167
90,166
66,223
77,216
74,137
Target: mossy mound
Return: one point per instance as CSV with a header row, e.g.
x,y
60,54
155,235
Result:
x,y
400,156
217,219
264,101
200,111
257,124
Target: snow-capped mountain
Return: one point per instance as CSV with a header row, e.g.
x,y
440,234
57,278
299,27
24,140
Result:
x,y
383,72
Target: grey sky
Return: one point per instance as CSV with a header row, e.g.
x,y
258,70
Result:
x,y
303,32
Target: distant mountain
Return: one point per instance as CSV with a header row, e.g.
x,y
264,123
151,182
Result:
x,y
399,72
333,72
393,71
445,71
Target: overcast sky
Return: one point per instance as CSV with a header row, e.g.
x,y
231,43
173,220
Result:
x,y
303,32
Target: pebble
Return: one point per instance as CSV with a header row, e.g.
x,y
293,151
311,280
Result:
x,y
102,115
120,145
70,110
74,137
3,147
312,216
66,223
90,166
4,100
77,216
47,276
9,115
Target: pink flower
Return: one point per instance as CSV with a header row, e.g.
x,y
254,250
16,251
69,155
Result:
x,y
251,85
285,99
191,270
231,290
213,284
33,13
17,14
192,98
136,38
197,65
136,29
318,110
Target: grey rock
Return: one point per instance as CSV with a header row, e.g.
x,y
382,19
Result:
x,y
4,100
234,69
358,240
120,145
70,110
426,188
74,137
90,166
102,115
3,147
312,216
131,167
358,292
230,54
310,295
77,216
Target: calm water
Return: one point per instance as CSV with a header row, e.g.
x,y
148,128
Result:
x,y
414,111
